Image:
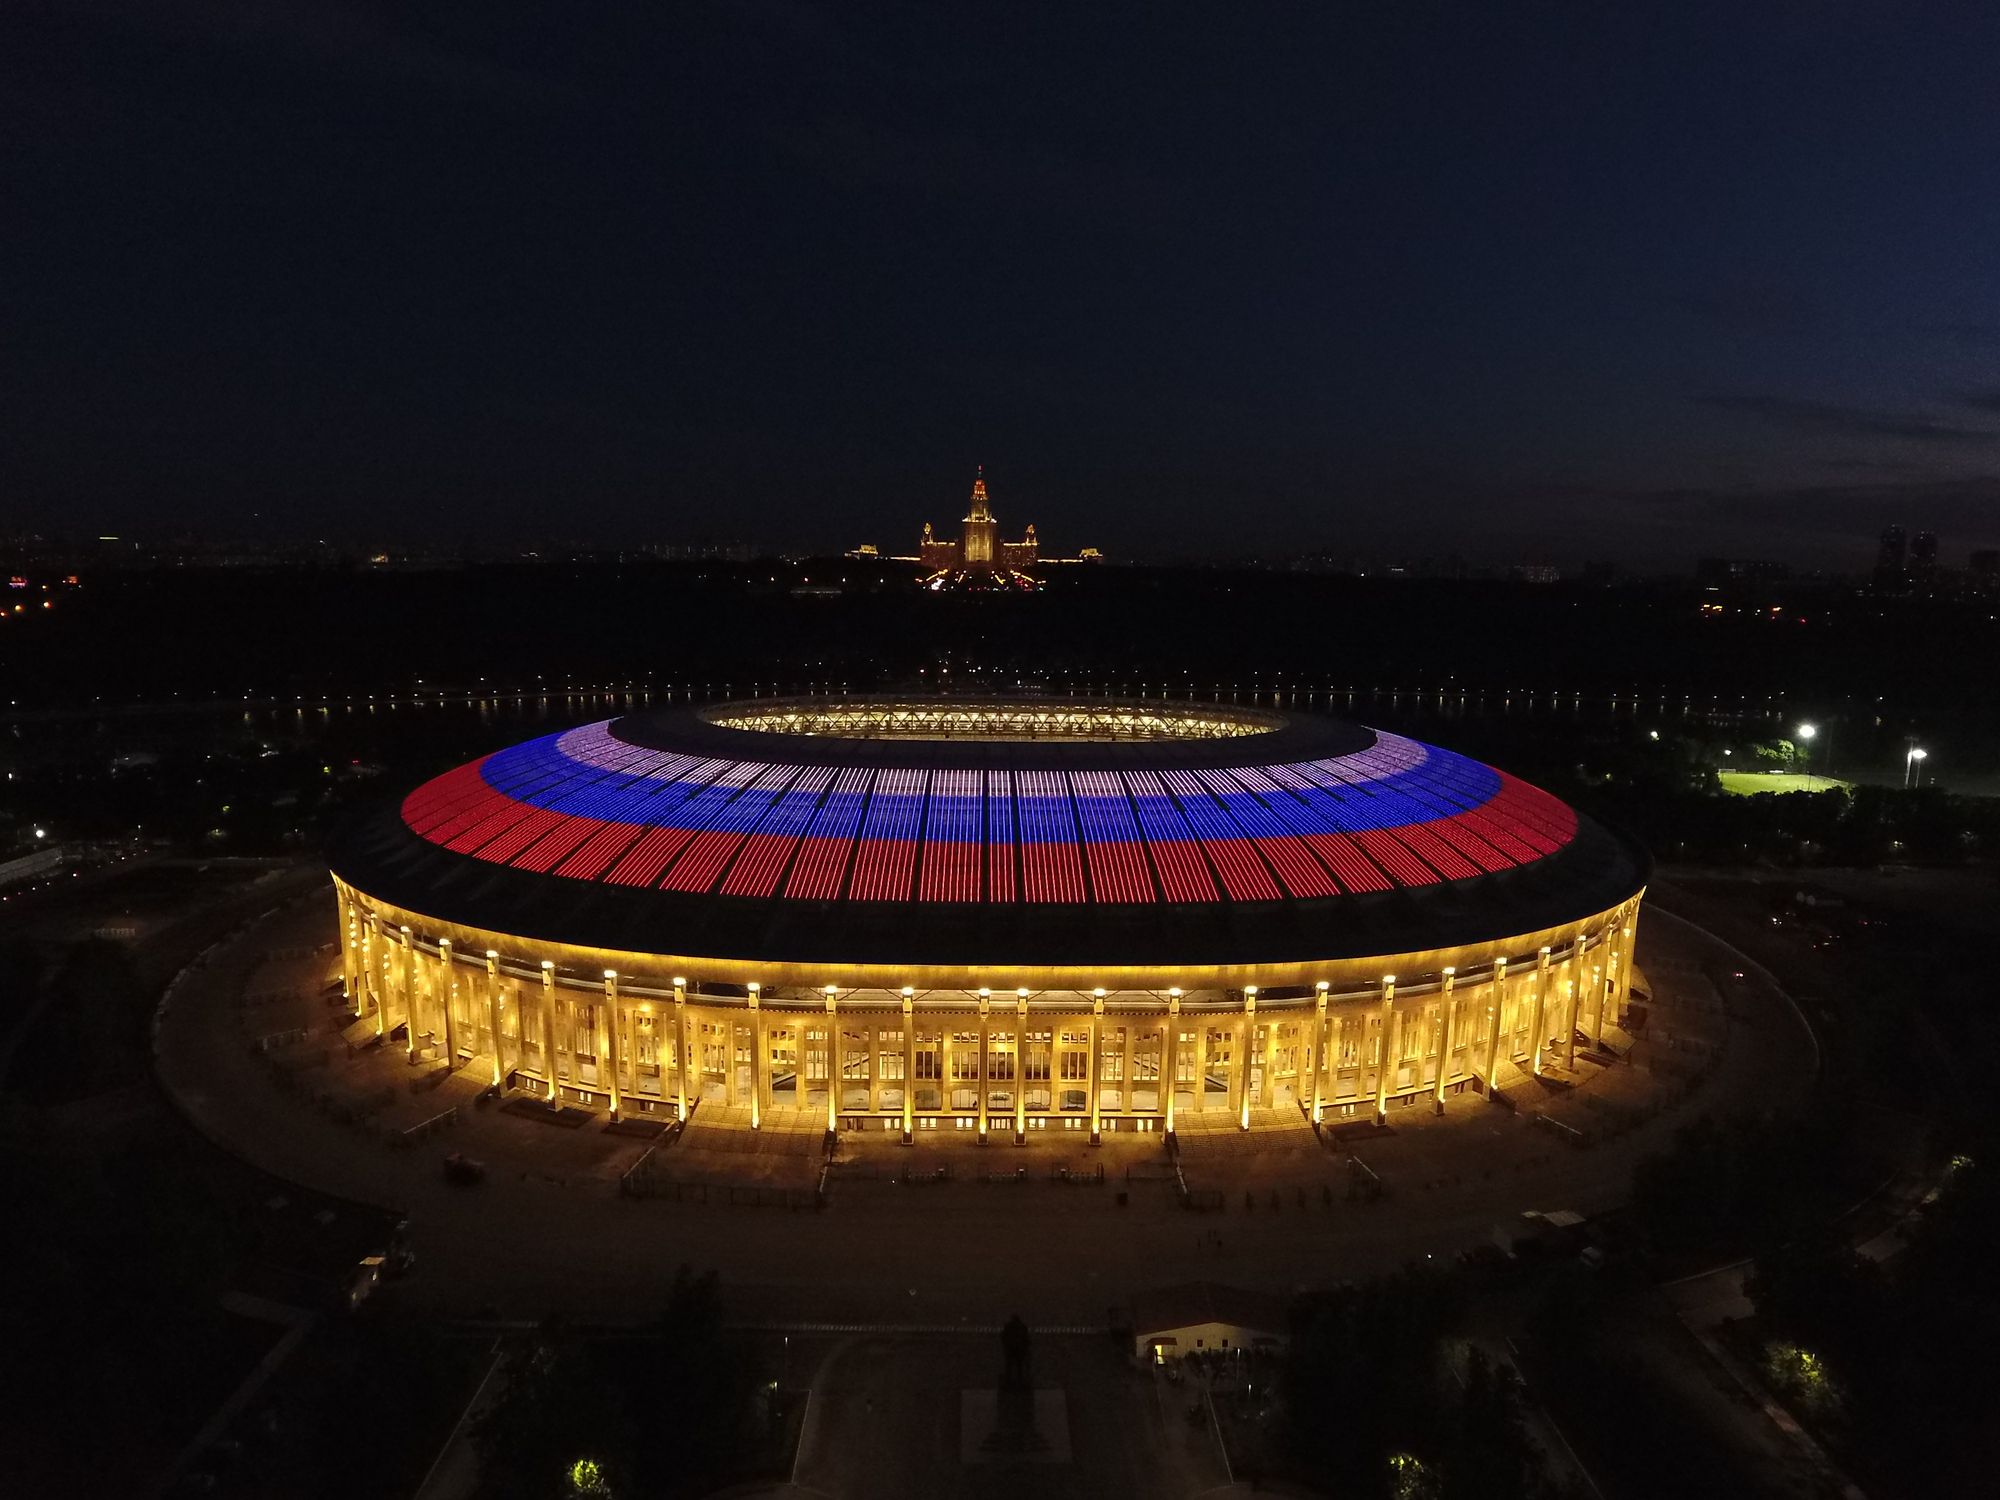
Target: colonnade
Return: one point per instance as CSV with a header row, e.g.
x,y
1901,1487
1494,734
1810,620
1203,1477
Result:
x,y
983,1059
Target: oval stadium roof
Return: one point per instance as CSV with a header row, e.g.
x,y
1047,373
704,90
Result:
x,y
1033,835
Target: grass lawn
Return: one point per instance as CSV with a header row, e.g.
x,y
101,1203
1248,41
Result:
x,y
1749,783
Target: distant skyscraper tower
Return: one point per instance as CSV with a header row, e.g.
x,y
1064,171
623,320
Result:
x,y
979,558
981,536
1891,560
1923,559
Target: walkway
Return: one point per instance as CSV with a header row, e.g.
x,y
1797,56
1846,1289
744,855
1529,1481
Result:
x,y
547,1232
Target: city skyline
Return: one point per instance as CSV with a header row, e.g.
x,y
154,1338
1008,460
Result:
x,y
1400,284
1896,555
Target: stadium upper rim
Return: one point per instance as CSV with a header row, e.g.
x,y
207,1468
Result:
x,y
988,832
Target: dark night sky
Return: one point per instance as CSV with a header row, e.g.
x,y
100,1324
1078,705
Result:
x,y
1362,276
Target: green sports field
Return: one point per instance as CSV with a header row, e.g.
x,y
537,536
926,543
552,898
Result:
x,y
1749,783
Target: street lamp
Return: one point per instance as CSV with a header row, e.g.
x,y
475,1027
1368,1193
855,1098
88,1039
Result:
x,y
1807,734
1910,764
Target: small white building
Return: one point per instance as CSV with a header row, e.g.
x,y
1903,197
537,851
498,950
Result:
x,y
1204,1317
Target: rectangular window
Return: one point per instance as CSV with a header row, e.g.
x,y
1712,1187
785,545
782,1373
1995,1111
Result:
x,y
889,1060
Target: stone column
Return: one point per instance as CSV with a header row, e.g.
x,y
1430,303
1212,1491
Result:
x,y
611,1039
1448,1006
1319,1049
1173,1057
378,979
1020,1067
1569,1010
1628,950
1499,1005
873,1033
1200,1068
909,1065
551,1073
447,993
1600,986
1614,964
1384,1047
985,1000
759,1075
1090,1069
1540,1038
832,1063
1246,1034
409,987
350,944
493,1014
371,981
681,1047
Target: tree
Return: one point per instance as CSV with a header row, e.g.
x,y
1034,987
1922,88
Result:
x,y
719,1416
1372,1354
555,1410
1487,1456
1775,755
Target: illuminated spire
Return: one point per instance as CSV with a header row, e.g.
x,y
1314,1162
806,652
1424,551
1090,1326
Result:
x,y
979,511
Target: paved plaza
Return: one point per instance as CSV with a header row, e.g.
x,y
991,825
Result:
x,y
254,1044
885,1421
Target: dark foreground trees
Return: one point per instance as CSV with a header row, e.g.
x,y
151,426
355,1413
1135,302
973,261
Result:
x,y
680,1410
1382,1397
1893,1361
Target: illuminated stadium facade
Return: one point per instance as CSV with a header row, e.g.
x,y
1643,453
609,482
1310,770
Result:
x,y
999,917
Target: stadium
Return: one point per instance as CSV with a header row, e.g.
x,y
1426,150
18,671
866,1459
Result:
x,y
994,916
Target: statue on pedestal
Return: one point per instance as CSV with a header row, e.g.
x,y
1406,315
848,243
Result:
x,y
1017,1368
1014,1429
